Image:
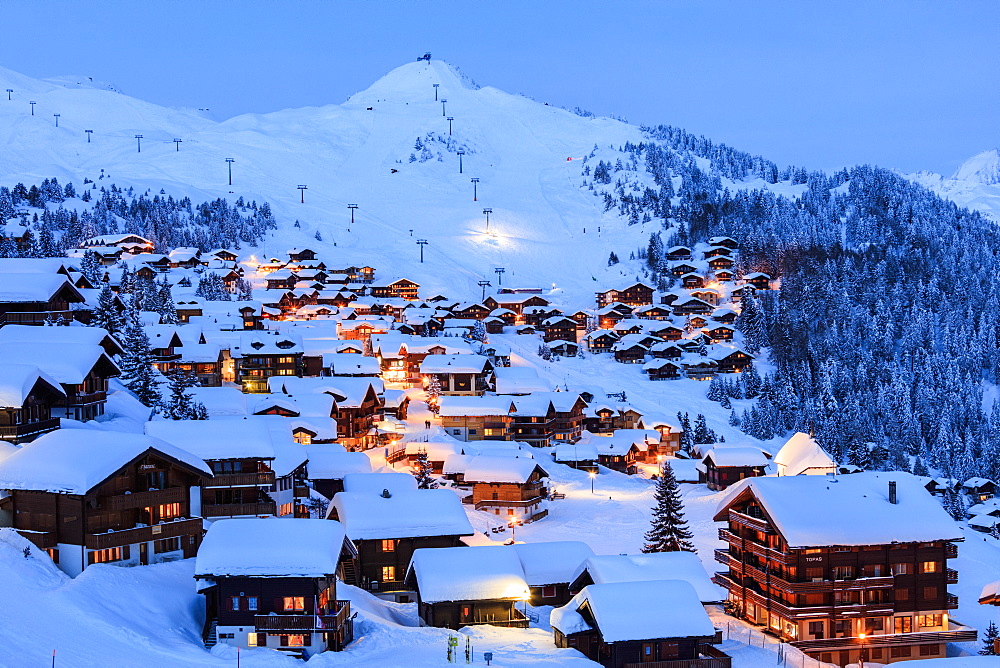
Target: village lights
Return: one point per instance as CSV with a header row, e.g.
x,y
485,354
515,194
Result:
x,y
593,474
864,650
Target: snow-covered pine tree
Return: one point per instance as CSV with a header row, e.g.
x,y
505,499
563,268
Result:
x,y
479,331
716,392
137,361
423,470
612,259
544,351
669,530
751,323
168,310
105,314
244,290
701,430
90,266
181,404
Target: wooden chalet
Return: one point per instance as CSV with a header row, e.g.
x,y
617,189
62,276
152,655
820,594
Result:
x,y
476,418
27,400
721,262
682,268
718,251
89,497
402,288
387,527
515,303
723,275
691,281
262,355
274,584
678,253
818,561
543,418
601,340
559,328
511,487
652,312
37,298
460,374
724,466
662,369
758,280
660,623
467,586
549,567
638,294
728,242
606,418
301,254
630,351
730,360
691,306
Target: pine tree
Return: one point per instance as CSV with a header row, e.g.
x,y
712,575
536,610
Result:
x,y
423,470
751,323
137,362
669,530
544,351
612,259
701,434
106,315
479,331
989,640
181,405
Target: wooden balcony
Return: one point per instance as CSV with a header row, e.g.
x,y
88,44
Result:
x,y
238,509
145,499
951,576
34,317
43,540
329,622
956,633
790,611
24,432
950,551
708,657
515,620
85,399
755,523
503,503
756,548
100,541
259,479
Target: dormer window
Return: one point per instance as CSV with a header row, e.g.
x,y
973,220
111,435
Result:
x,y
284,345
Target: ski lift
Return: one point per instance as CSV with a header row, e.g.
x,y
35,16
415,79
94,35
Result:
x,y
426,56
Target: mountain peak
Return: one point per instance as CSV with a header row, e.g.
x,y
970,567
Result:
x,y
981,168
415,82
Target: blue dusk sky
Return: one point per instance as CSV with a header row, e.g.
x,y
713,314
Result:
x,y
905,84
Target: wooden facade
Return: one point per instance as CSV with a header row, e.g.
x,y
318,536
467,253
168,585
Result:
x,y
819,599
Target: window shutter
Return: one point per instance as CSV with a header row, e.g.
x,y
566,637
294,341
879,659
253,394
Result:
x,y
279,604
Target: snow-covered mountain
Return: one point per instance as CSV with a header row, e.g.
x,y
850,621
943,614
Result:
x,y
975,184
544,226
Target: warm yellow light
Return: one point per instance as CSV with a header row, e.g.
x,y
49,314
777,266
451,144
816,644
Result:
x,y
593,474
862,636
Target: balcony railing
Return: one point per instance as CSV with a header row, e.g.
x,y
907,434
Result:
x,y
238,509
301,491
515,620
956,633
951,576
85,398
145,499
100,541
20,431
33,317
328,622
708,657
258,479
502,503
756,548
755,523
41,539
950,551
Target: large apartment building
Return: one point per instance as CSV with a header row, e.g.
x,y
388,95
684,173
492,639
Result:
x,y
842,567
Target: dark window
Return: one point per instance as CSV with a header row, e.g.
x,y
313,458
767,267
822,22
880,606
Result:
x,y
234,602
930,593
548,592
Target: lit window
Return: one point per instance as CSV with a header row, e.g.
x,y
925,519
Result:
x,y
294,603
169,511
286,509
389,545
388,573
930,567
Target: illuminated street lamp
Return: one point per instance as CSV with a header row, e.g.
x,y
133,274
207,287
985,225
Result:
x,y
864,650
593,474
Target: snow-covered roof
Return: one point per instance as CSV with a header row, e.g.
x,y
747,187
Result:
x,y
486,468
737,456
271,547
74,461
575,452
328,461
467,574
802,454
817,511
437,451
349,391
18,380
637,611
375,483
200,353
553,562
519,380
59,336
221,401
217,439
990,593
34,287
480,406
652,566
445,364
350,364
405,514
